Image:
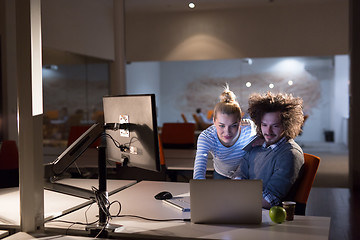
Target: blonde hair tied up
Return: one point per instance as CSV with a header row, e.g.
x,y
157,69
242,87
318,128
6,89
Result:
x,y
228,103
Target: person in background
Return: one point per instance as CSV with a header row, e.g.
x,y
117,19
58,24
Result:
x,y
225,139
63,114
202,117
278,160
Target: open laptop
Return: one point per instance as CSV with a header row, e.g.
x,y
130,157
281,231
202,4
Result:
x,y
226,201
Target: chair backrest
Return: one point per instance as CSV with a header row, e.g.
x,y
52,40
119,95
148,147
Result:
x,y
178,135
311,165
210,114
302,187
184,118
200,124
161,152
76,131
197,122
52,114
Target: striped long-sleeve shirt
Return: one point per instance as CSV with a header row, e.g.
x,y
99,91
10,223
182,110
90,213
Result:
x,y
226,159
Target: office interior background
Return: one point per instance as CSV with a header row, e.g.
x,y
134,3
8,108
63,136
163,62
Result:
x,y
185,56
183,86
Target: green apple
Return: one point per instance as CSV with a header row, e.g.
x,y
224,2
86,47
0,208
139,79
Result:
x,y
277,214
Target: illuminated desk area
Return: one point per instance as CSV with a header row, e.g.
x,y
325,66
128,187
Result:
x,y
55,204
183,159
139,200
180,162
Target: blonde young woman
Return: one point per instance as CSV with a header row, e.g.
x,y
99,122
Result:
x,y
225,139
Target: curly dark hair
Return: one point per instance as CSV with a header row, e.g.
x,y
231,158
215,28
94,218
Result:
x,y
290,108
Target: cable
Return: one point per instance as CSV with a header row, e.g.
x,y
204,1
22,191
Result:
x,y
122,147
87,211
131,141
102,201
73,223
105,205
116,143
153,219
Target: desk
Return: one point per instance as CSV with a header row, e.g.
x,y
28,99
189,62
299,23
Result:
x,y
40,236
139,200
55,204
182,160
3,233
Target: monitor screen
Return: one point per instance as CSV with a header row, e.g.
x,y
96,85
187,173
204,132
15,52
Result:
x,y
136,142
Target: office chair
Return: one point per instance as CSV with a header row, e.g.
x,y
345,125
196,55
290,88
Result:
x,y
197,122
210,114
302,187
178,135
172,175
184,118
161,153
76,131
52,114
200,125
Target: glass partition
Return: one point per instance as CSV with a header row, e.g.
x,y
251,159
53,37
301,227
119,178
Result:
x,y
72,97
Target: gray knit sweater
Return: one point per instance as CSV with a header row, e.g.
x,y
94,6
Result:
x,y
277,166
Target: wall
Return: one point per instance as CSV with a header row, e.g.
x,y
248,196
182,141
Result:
x,y
186,85
84,27
144,78
314,28
72,96
341,98
79,86
67,27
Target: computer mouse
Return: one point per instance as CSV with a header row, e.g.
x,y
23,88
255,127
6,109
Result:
x,y
163,195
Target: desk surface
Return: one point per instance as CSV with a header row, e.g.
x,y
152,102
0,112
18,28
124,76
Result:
x,y
3,233
183,159
55,204
139,200
40,236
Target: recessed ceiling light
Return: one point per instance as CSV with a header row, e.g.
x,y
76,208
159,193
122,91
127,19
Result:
x,y
191,5
248,84
271,85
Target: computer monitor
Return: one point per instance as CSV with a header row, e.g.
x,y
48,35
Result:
x,y
136,143
131,138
